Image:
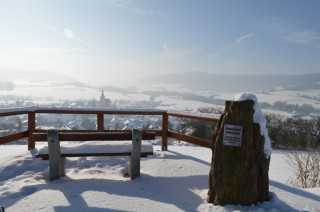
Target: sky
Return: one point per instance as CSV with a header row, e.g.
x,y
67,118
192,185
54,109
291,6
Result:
x,y
106,41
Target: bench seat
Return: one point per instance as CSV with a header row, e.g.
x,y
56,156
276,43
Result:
x,y
96,148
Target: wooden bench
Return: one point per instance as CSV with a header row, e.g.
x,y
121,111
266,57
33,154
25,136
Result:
x,y
56,154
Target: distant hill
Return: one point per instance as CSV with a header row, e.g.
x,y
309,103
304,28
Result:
x,y
201,81
9,74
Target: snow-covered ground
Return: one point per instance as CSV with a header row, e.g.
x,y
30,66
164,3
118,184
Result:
x,y
178,104
171,103
175,180
310,96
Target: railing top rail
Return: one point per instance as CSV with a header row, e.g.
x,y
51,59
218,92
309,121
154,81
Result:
x,y
16,111
69,110
199,116
121,111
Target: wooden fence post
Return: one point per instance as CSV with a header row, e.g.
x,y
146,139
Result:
x,y
100,122
165,124
31,129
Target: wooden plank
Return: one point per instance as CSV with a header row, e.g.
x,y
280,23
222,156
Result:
x,y
71,131
16,111
13,113
93,136
101,110
190,139
157,132
203,118
13,137
68,110
46,156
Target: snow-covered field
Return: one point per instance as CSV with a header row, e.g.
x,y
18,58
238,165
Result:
x,y
179,104
175,180
310,96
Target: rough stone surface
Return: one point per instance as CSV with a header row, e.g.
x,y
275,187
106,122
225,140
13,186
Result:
x,y
239,175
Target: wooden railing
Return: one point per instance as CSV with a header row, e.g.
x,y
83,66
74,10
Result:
x,y
190,139
100,112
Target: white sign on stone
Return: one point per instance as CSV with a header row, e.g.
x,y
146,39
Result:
x,y
232,135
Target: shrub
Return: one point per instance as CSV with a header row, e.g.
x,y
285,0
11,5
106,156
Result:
x,y
305,167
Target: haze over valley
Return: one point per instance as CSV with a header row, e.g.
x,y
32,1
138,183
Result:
x,y
170,91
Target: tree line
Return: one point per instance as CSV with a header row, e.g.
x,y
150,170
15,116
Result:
x,y
284,132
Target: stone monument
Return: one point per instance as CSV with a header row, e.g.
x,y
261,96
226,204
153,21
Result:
x,y
240,155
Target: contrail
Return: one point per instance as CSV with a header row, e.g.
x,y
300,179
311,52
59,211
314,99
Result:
x,y
64,34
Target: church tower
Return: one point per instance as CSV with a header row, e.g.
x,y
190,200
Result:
x,y
103,101
102,97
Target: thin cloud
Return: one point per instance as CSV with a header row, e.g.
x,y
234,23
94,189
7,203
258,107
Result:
x,y
301,37
55,50
242,38
126,5
165,46
169,55
45,26
136,10
233,45
292,33
164,56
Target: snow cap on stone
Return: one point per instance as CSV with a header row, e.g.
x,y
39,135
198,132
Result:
x,y
259,119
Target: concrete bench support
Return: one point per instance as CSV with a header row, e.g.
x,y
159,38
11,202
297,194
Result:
x,y
56,163
134,159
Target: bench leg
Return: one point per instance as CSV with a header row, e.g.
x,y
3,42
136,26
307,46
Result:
x,y
63,167
134,159
55,164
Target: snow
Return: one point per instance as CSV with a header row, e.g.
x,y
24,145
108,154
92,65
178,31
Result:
x,y
258,118
300,97
292,97
97,147
174,180
175,103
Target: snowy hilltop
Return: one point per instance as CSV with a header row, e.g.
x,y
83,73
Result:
x,y
175,180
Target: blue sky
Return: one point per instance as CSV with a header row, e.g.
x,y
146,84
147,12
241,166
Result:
x,y
104,41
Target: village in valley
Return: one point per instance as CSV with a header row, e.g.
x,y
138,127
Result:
x,y
82,122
